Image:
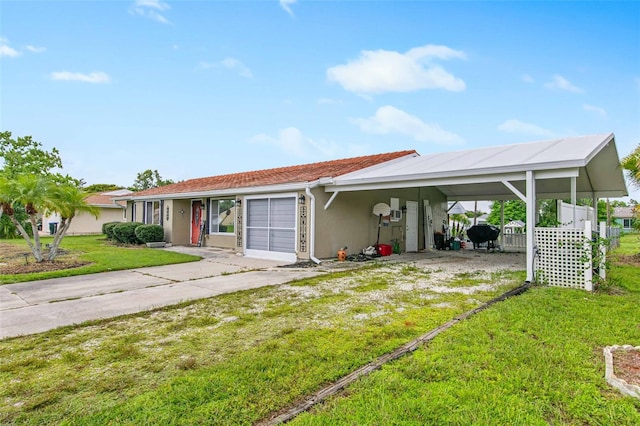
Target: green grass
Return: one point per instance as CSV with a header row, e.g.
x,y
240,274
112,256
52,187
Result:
x,y
232,359
239,358
102,255
629,244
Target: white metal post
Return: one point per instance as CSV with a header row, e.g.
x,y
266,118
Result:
x,y
531,224
603,250
573,201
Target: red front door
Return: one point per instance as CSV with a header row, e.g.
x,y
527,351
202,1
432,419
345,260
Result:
x,y
196,221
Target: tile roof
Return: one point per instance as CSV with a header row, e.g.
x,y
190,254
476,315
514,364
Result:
x,y
282,175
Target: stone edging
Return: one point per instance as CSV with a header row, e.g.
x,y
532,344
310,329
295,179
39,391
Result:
x,y
620,384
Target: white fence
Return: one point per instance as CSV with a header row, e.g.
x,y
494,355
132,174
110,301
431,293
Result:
x,y
514,242
566,257
582,214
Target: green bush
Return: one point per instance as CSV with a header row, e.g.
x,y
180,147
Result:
x,y
107,229
126,232
150,233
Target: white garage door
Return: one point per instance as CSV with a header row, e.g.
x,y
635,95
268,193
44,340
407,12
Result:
x,y
271,228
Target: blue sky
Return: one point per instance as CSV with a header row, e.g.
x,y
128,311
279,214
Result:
x,y
200,88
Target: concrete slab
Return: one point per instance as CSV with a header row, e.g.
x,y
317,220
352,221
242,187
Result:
x,y
9,300
190,271
46,291
43,317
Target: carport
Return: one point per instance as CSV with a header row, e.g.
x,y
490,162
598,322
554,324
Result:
x,y
565,168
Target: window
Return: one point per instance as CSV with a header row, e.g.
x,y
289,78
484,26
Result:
x,y
153,213
223,216
627,223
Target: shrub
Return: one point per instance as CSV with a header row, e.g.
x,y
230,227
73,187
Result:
x,y
150,233
107,229
126,232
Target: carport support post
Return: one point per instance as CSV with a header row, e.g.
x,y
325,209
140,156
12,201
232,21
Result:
x,y
502,224
531,222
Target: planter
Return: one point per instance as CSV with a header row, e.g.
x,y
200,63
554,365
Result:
x,y
159,244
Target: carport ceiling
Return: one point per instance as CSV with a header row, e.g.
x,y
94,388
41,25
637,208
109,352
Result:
x,y
478,174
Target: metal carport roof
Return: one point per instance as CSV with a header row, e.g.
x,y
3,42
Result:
x,y
583,166
479,174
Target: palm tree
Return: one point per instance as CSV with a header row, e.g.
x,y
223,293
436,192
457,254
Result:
x,y
68,201
41,195
30,191
631,163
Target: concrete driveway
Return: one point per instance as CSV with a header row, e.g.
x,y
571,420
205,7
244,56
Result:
x,y
37,306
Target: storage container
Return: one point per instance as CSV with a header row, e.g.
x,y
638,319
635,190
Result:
x,y
384,249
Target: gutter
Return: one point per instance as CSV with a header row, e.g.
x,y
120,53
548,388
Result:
x,y
312,217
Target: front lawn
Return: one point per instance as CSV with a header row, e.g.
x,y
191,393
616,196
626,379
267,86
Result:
x,y
94,253
239,358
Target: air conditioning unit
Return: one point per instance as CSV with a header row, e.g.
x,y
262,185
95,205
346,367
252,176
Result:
x,y
396,215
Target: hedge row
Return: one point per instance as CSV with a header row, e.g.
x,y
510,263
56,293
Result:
x,y
133,232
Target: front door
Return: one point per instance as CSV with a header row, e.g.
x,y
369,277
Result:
x,y
196,221
412,226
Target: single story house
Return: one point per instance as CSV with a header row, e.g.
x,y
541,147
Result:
x,y
310,211
623,217
109,210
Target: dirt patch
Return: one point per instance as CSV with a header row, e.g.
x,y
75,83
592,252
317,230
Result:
x,y
632,260
19,260
626,366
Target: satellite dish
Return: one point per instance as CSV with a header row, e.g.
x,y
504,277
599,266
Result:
x,y
381,209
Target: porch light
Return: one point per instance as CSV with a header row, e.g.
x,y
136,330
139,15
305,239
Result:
x,y
301,198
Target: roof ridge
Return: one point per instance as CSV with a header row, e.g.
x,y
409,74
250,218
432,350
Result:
x,y
278,175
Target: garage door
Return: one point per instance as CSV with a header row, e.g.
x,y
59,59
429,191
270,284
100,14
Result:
x,y
271,228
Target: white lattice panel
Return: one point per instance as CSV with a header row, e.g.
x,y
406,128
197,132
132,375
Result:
x,y
562,257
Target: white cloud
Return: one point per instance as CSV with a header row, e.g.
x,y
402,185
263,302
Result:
x,y
35,49
290,140
94,77
527,78
231,64
389,120
293,142
517,126
6,50
150,9
561,83
382,71
285,5
596,110
328,101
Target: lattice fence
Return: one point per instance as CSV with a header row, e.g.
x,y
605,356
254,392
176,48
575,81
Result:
x,y
564,257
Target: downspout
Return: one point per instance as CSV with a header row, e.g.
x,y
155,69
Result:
x,y
312,218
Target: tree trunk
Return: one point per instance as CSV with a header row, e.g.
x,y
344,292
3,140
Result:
x,y
62,230
37,253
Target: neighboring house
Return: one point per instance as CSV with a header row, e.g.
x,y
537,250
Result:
x,y
514,227
623,217
311,211
85,223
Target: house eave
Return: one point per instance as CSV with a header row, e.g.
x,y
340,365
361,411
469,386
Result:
x,y
251,190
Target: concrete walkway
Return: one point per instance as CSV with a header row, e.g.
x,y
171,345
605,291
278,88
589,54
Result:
x,y
37,306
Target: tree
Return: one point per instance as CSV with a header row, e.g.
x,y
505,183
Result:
x,y
149,179
24,156
631,163
42,195
513,210
101,187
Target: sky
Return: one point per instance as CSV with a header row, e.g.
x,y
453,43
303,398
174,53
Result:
x,y
202,88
